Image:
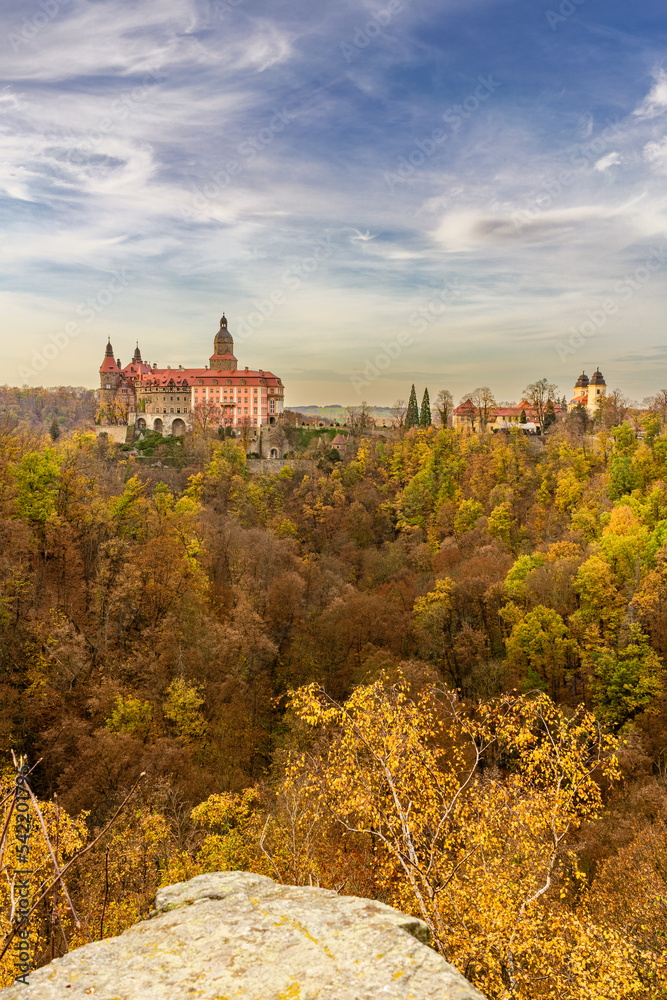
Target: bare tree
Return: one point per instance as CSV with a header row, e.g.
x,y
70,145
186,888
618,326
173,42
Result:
x,y
359,418
538,395
397,412
612,409
484,400
206,413
444,406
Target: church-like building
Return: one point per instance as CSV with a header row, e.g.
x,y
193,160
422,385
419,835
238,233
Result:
x,y
589,392
170,400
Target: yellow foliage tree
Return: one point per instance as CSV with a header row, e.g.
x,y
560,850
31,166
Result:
x,y
471,817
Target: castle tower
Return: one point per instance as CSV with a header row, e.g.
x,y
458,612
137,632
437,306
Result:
x,y
581,385
223,349
597,391
110,376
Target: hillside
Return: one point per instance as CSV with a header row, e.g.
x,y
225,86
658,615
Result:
x,y
430,673
340,413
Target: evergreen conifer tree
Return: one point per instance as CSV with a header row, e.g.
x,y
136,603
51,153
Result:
x,y
550,414
523,419
412,416
425,415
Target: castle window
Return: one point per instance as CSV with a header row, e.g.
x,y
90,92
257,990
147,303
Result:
x,y
198,381
229,381
242,381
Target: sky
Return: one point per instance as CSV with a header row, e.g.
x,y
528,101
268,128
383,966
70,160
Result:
x,y
447,192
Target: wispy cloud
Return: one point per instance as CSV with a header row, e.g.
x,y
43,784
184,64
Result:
x,y
207,148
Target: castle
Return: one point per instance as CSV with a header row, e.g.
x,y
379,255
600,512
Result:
x,y
170,400
589,392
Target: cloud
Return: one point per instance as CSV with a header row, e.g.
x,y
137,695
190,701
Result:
x,y
179,178
610,160
464,232
655,102
361,237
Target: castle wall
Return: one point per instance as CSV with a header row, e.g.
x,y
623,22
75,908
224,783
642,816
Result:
x,y
115,432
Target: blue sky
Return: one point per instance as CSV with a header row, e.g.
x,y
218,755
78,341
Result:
x,y
453,193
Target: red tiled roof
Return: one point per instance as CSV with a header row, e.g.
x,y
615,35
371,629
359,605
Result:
x,y
190,376
467,406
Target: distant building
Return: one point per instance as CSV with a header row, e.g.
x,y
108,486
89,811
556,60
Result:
x,y
169,400
467,416
339,443
589,392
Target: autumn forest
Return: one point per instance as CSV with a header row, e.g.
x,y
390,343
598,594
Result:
x,y
429,671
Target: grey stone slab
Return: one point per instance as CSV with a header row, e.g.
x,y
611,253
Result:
x,y
231,935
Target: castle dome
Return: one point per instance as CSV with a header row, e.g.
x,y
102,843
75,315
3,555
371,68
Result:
x,y
582,382
598,378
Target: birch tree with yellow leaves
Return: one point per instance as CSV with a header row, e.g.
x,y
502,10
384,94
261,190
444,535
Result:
x,y
471,814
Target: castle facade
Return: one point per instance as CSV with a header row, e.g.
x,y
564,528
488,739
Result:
x,y
171,400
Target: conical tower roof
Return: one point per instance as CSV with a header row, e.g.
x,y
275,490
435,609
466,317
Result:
x,y
109,363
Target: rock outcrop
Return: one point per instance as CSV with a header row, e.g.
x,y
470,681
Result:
x,y
237,935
